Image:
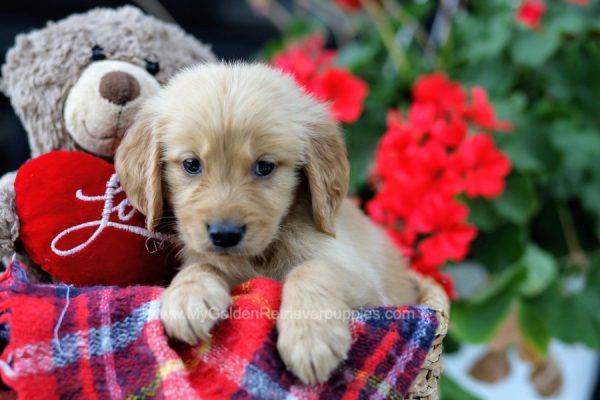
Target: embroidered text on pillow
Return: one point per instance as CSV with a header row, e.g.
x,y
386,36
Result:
x,y
112,189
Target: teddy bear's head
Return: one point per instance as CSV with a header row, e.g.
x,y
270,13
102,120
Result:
x,y
77,83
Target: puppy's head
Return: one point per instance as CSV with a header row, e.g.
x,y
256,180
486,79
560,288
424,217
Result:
x,y
226,144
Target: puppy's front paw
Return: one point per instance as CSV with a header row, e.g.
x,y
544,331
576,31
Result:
x,y
313,347
190,309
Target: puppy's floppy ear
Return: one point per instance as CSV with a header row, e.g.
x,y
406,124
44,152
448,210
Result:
x,y
327,171
138,165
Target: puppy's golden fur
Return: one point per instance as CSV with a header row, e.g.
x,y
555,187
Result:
x,y
299,227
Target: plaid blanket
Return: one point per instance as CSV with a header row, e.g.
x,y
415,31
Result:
x,y
108,343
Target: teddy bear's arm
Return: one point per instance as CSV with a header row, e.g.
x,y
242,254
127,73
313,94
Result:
x,y
9,222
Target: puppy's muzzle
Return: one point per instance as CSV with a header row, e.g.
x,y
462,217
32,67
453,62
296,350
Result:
x,y
225,234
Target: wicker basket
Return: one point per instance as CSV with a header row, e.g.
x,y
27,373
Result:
x,y
433,296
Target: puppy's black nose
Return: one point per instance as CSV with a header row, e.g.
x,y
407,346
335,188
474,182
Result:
x,y
226,234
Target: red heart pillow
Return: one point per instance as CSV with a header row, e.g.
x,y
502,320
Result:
x,y
78,226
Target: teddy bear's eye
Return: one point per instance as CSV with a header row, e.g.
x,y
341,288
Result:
x,y
97,53
152,66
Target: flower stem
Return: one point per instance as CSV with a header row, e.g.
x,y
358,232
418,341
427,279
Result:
x,y
386,31
576,253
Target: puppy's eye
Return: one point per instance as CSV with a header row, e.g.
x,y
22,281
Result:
x,y
264,168
192,166
97,53
152,66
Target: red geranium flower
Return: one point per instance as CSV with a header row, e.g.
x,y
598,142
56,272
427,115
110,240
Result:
x,y
451,244
297,63
398,137
427,158
483,166
345,92
431,169
530,13
311,65
449,236
482,113
449,132
422,115
438,90
305,59
439,213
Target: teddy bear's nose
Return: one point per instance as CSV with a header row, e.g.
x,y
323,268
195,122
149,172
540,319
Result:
x,y
119,87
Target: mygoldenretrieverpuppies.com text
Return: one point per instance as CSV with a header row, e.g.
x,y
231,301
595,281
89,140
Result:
x,y
381,313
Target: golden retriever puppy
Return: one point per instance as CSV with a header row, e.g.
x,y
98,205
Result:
x,y
256,174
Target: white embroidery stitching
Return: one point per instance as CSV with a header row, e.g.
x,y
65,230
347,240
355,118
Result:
x,y
112,189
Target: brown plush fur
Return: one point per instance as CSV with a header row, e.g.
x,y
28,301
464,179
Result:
x,y
45,64
54,86
300,228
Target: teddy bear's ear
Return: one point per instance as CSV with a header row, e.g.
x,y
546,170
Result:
x,y
138,165
16,57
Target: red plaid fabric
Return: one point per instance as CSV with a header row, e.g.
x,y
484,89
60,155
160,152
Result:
x,y
108,343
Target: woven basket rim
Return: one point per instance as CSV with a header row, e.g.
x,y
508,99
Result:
x,y
433,296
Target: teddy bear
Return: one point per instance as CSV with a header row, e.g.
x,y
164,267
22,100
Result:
x,y
76,85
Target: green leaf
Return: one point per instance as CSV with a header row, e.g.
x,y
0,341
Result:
x,y
590,195
579,320
567,80
477,320
451,390
519,201
541,270
492,40
522,158
451,344
499,283
565,19
580,147
494,74
478,323
511,108
527,144
533,48
535,328
361,140
579,150
577,317
482,214
500,248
